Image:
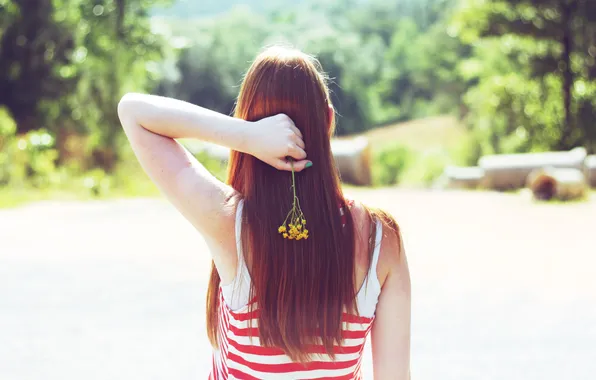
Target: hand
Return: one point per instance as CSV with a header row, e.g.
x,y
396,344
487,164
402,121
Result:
x,y
275,138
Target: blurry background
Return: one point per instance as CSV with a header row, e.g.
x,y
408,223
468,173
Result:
x,y
101,279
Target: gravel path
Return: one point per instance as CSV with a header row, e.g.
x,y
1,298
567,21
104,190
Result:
x,y
502,289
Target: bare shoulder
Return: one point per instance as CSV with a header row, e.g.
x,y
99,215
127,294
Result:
x,y
360,215
392,254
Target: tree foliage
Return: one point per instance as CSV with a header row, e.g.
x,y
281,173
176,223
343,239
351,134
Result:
x,y
520,73
392,69
65,63
535,68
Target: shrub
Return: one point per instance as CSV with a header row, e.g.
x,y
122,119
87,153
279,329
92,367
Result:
x,y
97,182
389,164
40,157
7,130
426,168
468,151
27,158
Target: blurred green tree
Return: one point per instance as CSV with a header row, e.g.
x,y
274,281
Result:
x,y
544,97
420,76
211,64
402,65
65,63
35,59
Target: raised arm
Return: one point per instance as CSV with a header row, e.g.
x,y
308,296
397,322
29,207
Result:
x,y
151,124
391,329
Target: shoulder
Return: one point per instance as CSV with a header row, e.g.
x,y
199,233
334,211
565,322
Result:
x,y
359,213
392,252
392,256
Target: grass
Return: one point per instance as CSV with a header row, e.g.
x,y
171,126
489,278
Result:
x,y
128,181
433,133
75,190
10,198
14,197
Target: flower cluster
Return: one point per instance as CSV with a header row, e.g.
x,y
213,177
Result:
x,y
296,230
294,226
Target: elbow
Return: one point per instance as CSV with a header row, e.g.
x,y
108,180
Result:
x,y
128,107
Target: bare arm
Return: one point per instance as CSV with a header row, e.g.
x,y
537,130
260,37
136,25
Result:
x,y
391,330
151,124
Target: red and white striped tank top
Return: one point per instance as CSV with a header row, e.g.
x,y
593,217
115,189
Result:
x,y
240,356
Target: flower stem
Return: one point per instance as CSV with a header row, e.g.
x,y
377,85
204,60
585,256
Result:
x,y
293,179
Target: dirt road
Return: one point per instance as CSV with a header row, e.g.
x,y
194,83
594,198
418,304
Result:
x,y
502,289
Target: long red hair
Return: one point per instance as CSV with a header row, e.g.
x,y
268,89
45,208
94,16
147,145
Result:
x,y
301,287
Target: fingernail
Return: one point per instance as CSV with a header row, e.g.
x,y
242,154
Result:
x,y
308,164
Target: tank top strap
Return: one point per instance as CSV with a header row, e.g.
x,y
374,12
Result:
x,y
369,293
377,249
241,268
238,228
236,293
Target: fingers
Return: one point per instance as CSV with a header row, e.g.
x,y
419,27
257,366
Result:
x,y
295,129
301,165
295,136
286,165
296,152
282,117
286,119
298,141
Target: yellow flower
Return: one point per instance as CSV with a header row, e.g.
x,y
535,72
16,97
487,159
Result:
x,y
296,229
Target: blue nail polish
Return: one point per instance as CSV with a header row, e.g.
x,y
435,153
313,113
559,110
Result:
x,y
308,164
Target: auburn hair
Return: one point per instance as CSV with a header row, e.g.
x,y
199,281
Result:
x,y
301,288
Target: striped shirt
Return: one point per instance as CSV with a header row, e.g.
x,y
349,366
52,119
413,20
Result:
x,y
240,355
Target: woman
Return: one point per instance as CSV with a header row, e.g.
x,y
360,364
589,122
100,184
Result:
x,y
300,275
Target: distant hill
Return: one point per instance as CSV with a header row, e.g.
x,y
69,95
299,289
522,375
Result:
x,y
201,8
420,134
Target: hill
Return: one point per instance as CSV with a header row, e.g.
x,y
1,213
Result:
x,y
420,134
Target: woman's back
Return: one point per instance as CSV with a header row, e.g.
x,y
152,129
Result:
x,y
240,354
